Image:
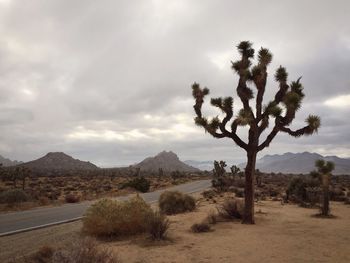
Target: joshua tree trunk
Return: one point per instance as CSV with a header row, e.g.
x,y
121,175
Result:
x,y
249,188
325,182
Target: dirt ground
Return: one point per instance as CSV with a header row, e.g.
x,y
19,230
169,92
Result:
x,y
282,233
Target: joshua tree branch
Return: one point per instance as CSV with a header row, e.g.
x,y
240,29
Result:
x,y
297,133
269,138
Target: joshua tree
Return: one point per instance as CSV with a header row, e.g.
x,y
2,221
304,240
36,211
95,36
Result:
x,y
234,171
218,175
219,168
324,170
288,96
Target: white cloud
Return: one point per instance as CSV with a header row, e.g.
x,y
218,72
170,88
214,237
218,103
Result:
x,y
342,101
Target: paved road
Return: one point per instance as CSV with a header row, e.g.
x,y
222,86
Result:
x,y
15,222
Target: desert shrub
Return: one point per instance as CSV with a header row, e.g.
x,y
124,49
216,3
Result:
x,y
173,202
209,194
200,227
157,225
240,183
72,198
239,192
43,255
231,208
223,183
139,183
43,200
176,175
13,196
115,218
85,251
297,188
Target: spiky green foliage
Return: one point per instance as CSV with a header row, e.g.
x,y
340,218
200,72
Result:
x,y
245,48
314,122
281,74
273,109
282,108
244,117
264,56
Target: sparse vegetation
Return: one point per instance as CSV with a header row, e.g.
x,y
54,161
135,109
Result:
x,y
87,185
140,184
174,202
301,190
200,227
157,225
289,96
85,251
72,198
115,218
232,208
43,255
13,196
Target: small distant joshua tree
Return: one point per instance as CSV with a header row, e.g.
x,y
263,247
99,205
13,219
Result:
x,y
218,174
288,96
323,172
235,171
219,168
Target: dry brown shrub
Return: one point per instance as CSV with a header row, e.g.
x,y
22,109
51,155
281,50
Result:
x,y
157,225
85,251
43,255
72,198
114,218
200,227
173,202
232,208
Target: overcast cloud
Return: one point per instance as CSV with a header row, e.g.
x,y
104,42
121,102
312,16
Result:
x,y
109,81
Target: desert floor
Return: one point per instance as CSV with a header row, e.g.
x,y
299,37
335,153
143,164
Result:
x,y
282,233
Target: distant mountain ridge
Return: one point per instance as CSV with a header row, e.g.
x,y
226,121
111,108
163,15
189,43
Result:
x,y
168,161
299,163
7,162
201,165
59,161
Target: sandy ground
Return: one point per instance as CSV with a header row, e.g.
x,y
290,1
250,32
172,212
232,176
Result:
x,y
282,233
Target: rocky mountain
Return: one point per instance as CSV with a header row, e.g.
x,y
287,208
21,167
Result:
x,y
297,163
59,161
7,162
168,161
201,165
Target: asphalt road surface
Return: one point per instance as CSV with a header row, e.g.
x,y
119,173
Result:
x,y
16,222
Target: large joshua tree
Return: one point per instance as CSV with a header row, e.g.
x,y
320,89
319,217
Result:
x,y
257,117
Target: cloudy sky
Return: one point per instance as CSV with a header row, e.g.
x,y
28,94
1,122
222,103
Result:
x,y
109,81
